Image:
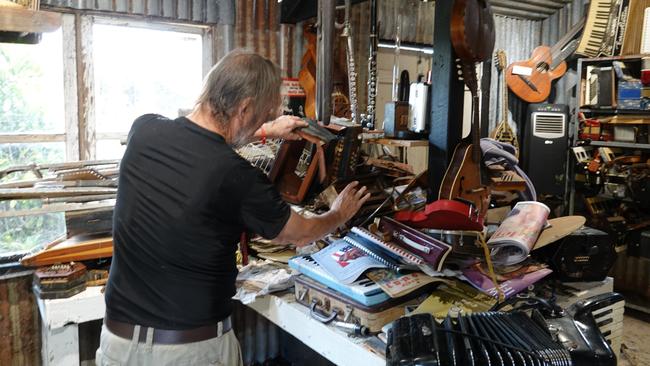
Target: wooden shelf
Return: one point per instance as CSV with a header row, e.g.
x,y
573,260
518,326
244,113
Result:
x,y
400,143
32,21
615,111
628,145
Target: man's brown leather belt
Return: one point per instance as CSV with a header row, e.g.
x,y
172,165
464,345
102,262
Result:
x,y
166,336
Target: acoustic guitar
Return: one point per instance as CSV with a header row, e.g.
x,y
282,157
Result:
x,y
531,79
503,132
472,35
307,74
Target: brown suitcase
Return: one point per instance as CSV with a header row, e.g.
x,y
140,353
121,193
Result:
x,y
326,305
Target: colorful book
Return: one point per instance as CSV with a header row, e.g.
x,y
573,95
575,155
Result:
x,y
345,262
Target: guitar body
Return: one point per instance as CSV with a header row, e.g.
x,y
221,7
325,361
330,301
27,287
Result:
x,y
463,180
536,87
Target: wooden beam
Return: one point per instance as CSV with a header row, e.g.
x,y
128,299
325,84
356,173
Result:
x,y
23,138
85,86
70,108
446,100
24,20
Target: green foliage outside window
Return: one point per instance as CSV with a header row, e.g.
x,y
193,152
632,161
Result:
x,y
24,85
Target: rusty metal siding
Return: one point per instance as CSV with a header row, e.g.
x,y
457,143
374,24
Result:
x,y
20,332
517,37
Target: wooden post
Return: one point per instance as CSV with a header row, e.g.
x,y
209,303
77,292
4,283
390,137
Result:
x,y
446,100
85,86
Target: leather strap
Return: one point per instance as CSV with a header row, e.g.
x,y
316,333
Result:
x,y
167,336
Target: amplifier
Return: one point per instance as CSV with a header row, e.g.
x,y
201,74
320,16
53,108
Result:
x,y
585,255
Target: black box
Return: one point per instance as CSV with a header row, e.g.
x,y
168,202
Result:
x,y
639,247
585,255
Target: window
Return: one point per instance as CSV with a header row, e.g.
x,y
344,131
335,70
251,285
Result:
x,y
32,130
138,71
138,68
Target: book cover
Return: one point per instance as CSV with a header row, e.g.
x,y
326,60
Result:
x,y
345,262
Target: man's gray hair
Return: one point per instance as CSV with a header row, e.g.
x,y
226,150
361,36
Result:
x,y
239,75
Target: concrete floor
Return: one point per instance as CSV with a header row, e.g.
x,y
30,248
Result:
x,y
636,339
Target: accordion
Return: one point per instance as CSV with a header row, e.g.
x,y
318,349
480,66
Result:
x,y
568,338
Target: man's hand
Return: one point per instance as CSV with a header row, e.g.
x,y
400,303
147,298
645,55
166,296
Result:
x,y
349,201
300,230
283,127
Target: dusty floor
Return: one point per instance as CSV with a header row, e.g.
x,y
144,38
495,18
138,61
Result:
x,y
636,339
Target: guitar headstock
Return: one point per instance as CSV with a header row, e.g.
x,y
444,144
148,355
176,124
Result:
x,y
500,60
467,73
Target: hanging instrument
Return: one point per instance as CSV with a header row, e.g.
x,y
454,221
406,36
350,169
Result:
x,y
503,132
369,118
307,74
472,35
352,73
531,79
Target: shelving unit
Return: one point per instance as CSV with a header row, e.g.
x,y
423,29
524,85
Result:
x,y
615,111
627,147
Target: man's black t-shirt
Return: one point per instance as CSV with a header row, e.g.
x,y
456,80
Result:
x,y
184,198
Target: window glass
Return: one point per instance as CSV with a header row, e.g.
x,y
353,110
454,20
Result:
x,y
25,233
140,71
109,149
27,153
31,86
22,233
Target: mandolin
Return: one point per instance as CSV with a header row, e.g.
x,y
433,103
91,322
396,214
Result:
x,y
472,35
503,132
531,79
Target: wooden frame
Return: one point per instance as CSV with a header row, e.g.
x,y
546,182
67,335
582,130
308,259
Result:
x,y
80,136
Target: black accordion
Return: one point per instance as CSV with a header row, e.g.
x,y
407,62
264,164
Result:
x,y
538,337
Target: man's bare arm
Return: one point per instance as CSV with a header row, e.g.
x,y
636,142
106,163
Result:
x,y
300,230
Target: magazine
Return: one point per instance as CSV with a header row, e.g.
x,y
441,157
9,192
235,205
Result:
x,y
517,234
344,261
525,277
397,285
455,296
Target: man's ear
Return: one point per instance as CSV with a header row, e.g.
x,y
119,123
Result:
x,y
244,107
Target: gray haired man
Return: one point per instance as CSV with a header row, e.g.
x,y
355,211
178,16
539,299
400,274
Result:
x,y
184,197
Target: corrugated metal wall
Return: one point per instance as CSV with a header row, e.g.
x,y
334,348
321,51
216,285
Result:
x,y
20,331
207,12
518,38
553,28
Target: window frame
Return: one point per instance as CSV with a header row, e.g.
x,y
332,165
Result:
x,y
79,133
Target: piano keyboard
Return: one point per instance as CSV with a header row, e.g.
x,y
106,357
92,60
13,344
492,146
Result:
x,y
596,28
363,291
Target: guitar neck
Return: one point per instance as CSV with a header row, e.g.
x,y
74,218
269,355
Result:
x,y
562,55
476,136
504,97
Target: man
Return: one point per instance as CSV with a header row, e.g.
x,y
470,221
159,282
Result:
x,y
184,198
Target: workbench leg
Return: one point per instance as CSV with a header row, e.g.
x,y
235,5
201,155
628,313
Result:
x,y
60,346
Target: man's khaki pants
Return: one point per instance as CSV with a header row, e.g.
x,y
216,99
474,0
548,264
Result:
x,y
118,351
